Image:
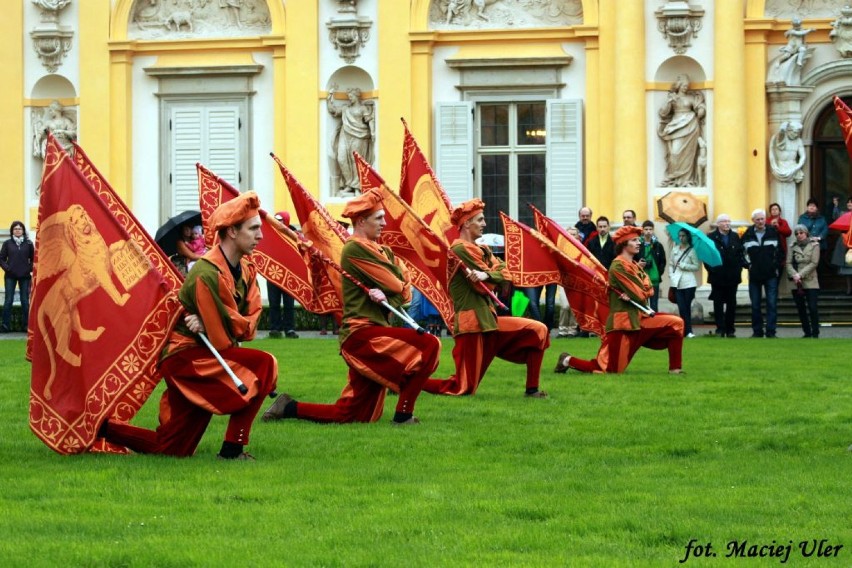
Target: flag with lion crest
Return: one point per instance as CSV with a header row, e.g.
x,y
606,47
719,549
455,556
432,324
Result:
x,y
100,315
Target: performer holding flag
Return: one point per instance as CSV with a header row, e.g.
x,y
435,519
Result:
x,y
628,328
222,300
481,335
379,357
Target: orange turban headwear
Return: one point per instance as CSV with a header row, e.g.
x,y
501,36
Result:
x,y
467,210
365,204
235,211
624,234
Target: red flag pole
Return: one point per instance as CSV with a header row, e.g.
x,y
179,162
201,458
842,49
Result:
x,y
316,253
423,223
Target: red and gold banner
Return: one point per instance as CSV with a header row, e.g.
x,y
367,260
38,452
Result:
x,y
529,261
573,249
316,222
278,259
844,115
586,287
102,310
425,253
419,187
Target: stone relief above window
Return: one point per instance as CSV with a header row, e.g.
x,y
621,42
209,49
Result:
x,y
805,9
483,14
178,19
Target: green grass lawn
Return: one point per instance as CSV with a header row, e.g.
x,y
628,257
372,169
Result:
x,y
751,444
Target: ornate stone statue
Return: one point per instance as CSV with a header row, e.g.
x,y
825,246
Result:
x,y
787,153
232,7
787,67
59,122
681,129
841,35
356,132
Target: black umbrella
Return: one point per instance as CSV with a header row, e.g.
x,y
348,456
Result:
x,y
172,230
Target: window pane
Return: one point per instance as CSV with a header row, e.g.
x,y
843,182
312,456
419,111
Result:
x,y
495,190
494,124
531,129
531,186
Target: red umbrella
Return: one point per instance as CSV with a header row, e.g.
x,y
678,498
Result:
x,y
842,223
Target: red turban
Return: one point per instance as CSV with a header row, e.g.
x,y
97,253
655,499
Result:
x,y
626,233
467,210
368,202
235,211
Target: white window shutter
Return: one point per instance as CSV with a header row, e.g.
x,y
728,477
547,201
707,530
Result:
x,y
454,141
564,160
187,134
223,142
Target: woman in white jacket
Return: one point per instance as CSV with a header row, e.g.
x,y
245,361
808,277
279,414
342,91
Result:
x,y
682,274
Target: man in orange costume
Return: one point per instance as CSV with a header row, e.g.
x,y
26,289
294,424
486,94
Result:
x,y
379,357
480,335
627,327
222,300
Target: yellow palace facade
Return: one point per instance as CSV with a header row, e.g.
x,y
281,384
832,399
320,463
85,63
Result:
x,y
560,103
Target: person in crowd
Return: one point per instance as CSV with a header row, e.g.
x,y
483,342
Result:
x,y
816,225
222,301
628,328
784,231
379,356
584,226
196,242
534,295
602,245
282,306
762,246
683,273
801,266
652,259
16,259
629,218
838,256
480,334
185,257
725,278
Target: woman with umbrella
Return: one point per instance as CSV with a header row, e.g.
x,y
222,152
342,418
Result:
x,y
838,257
682,274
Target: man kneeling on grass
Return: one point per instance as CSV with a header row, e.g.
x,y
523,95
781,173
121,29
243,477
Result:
x,y
380,357
628,328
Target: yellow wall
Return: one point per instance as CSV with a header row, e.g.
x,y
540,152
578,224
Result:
x,y
13,192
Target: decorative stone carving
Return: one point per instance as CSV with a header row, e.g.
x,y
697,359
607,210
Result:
x,y
681,129
51,40
347,6
679,22
175,19
787,153
466,14
785,9
841,35
355,133
349,34
787,66
61,122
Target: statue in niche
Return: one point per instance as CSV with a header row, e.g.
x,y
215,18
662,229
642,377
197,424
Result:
x,y
355,133
787,67
681,129
841,35
59,122
787,153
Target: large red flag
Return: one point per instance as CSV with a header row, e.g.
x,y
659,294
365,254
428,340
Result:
x,y
316,222
586,288
426,254
419,187
530,262
102,310
844,115
573,249
279,259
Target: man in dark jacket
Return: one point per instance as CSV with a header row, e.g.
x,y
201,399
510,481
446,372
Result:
x,y
601,244
585,226
16,260
725,279
762,245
